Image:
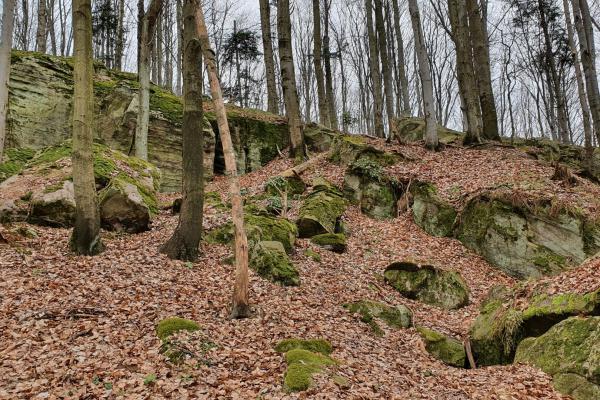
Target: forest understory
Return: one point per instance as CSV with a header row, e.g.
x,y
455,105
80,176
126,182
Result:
x,y
82,327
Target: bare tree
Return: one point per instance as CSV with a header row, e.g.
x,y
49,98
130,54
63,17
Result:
x,y
240,305
317,54
327,56
402,80
385,64
6,36
375,71
265,23
42,28
85,238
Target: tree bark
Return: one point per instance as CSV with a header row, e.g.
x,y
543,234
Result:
x,y
6,36
240,305
265,24
147,28
483,74
583,25
385,65
184,244
179,17
288,80
317,53
329,93
85,238
431,137
403,80
42,28
119,46
464,69
375,72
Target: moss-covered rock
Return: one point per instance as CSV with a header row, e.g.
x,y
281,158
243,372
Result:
x,y
348,149
505,319
54,207
335,242
315,345
370,312
320,212
279,185
428,284
435,215
319,138
304,358
412,129
569,351
270,261
13,161
170,326
522,240
446,349
258,228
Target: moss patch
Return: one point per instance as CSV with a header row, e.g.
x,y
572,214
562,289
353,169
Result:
x,y
270,261
321,346
304,358
370,311
170,326
321,211
335,242
436,216
445,349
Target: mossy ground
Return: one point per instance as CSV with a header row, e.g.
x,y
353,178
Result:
x,y
170,326
13,161
315,345
304,358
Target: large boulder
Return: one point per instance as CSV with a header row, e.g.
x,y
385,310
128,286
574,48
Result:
x,y
43,191
527,241
319,138
444,348
40,115
270,261
505,319
435,215
347,149
428,284
321,211
371,311
412,129
569,352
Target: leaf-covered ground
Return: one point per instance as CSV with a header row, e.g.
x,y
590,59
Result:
x,y
76,327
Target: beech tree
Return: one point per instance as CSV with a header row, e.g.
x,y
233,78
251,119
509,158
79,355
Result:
x,y
375,72
317,54
85,238
42,27
6,36
431,136
240,304
265,24
183,245
288,80
146,29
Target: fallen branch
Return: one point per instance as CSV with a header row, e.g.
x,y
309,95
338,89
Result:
x,y
469,352
299,169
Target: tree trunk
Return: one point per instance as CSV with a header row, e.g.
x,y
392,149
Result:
x,y
464,69
24,37
431,137
184,244
240,307
329,93
288,80
85,238
179,16
120,36
6,36
317,53
375,72
385,65
265,24
42,28
583,24
146,37
483,74
403,80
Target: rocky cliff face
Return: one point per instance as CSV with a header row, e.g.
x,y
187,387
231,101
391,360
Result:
x,y
40,108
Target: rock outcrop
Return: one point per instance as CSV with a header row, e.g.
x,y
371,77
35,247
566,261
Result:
x,y
321,211
569,352
411,129
428,284
40,114
371,312
436,216
446,349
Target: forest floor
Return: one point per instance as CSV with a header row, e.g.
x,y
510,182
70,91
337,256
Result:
x,y
78,327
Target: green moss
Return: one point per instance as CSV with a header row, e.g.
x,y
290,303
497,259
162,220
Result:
x,y
169,326
302,365
369,311
312,254
314,345
448,350
50,155
148,196
320,212
335,242
271,262
436,216
168,104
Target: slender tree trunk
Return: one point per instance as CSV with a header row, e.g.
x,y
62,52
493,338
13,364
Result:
x,y
24,37
146,38
238,71
288,80
42,28
375,71
464,69
583,101
403,80
431,136
184,244
159,50
119,46
483,74
265,24
85,238
241,306
329,93
179,16
317,53
385,65
6,36
52,30
168,17
583,24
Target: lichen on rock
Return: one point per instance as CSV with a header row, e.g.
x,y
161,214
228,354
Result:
x,y
320,212
428,284
446,349
270,261
435,215
371,311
